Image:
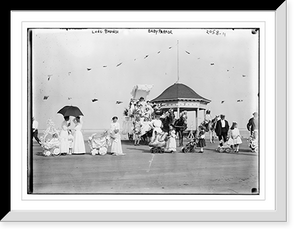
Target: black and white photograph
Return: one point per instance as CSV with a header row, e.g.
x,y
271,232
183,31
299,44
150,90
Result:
x,y
144,111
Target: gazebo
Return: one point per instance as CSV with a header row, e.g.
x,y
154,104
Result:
x,y
180,97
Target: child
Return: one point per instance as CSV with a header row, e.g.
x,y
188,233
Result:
x,y
116,146
137,131
70,140
171,144
234,137
55,144
201,137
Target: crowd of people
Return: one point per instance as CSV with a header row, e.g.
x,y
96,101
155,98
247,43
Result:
x,y
70,140
231,136
149,123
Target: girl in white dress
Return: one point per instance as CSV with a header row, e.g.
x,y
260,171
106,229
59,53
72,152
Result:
x,y
116,147
157,125
171,144
234,137
79,147
63,137
71,141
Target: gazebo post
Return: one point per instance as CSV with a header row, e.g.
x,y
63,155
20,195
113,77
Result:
x,y
197,116
178,111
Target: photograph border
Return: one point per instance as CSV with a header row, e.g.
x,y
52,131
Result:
x,y
161,210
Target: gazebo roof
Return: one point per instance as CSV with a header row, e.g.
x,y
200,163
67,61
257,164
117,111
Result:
x,y
177,92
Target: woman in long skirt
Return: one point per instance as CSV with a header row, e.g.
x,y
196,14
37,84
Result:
x,y
116,147
64,143
79,147
171,143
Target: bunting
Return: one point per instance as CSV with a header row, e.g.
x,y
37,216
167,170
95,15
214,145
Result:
x,y
116,65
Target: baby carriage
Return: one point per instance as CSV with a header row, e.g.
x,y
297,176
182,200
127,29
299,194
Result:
x,y
224,147
159,143
99,144
190,146
50,141
253,141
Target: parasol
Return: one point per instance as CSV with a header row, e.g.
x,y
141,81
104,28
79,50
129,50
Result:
x,y
70,111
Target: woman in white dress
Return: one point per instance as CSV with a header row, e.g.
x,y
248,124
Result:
x,y
79,147
63,137
116,147
171,143
157,125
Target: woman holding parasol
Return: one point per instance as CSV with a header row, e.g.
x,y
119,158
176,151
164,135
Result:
x,y
79,147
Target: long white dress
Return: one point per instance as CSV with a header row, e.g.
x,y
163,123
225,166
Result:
x,y
234,137
79,147
63,137
171,143
116,147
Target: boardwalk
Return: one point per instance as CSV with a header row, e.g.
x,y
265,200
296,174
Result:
x,y
142,172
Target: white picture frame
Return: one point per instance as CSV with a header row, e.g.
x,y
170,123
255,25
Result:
x,y
271,206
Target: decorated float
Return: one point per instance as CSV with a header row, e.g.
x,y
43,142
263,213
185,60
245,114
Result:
x,y
138,108
50,140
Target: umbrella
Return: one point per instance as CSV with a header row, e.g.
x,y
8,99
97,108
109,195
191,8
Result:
x,y
70,111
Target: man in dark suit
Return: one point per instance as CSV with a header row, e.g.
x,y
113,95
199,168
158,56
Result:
x,y
222,128
252,124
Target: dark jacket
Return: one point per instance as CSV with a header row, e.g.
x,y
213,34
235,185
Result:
x,y
252,124
219,128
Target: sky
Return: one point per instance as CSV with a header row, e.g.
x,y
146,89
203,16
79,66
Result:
x,y
75,66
